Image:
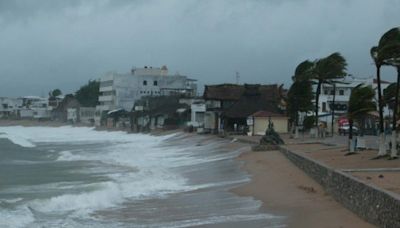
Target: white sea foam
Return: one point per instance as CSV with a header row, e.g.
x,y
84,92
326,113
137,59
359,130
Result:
x,y
25,136
148,175
135,165
20,217
17,139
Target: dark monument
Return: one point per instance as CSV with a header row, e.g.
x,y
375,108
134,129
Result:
x,y
270,140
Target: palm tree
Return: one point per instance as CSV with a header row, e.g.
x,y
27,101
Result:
x,y
326,70
388,53
390,50
300,92
378,64
361,102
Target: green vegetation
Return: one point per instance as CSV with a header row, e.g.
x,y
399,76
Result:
x,y
300,94
387,53
54,93
88,95
327,70
361,102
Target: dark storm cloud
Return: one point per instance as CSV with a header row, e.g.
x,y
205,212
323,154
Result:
x,y
62,44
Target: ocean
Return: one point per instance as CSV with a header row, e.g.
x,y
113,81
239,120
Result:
x,y
79,177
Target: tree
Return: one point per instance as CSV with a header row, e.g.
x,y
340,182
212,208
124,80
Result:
x,y
327,70
88,95
55,93
388,53
390,50
361,102
300,93
389,95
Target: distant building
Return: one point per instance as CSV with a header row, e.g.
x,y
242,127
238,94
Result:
x,y
67,110
166,112
121,91
9,106
342,94
228,106
87,114
35,107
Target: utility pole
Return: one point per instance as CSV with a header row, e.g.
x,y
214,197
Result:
x,y
237,78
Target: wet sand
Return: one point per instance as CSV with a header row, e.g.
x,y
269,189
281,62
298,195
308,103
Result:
x,y
286,190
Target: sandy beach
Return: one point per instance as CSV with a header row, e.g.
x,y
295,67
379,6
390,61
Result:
x,y
286,190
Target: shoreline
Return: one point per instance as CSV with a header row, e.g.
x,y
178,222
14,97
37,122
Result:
x,y
286,190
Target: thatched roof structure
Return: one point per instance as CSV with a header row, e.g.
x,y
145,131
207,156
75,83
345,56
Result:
x,y
255,98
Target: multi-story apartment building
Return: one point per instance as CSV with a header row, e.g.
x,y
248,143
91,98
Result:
x,y
9,106
120,91
342,93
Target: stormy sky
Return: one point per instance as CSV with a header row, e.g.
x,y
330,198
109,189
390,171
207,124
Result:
x,y
47,44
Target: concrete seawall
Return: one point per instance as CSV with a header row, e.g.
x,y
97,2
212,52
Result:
x,y
371,203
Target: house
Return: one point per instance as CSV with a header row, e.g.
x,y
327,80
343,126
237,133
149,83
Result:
x,y
34,107
159,112
9,107
340,92
217,99
67,110
228,105
254,98
121,91
86,115
258,122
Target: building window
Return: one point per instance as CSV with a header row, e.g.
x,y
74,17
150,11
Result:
x,y
144,82
341,92
332,92
326,92
155,83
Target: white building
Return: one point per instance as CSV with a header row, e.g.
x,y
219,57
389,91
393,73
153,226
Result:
x,y
9,106
38,106
198,109
342,95
120,91
343,92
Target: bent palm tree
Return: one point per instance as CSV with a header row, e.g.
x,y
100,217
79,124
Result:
x,y
326,70
300,93
388,53
361,102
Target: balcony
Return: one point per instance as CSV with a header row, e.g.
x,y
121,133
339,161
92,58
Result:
x,y
106,98
106,89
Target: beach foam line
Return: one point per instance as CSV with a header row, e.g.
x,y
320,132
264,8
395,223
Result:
x,y
17,140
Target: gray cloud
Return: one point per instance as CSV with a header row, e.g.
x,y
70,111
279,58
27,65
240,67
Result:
x,y
62,44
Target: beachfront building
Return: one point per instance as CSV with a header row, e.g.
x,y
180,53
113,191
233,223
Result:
x,y
162,112
9,107
86,115
258,122
121,91
35,107
198,109
340,92
67,109
228,106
